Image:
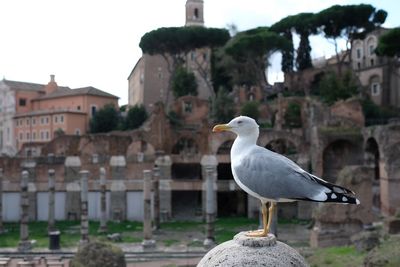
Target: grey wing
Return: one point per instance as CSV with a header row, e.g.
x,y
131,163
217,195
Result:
x,y
274,176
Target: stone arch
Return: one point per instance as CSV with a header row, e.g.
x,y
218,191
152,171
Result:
x,y
267,137
139,151
336,155
225,147
185,145
372,159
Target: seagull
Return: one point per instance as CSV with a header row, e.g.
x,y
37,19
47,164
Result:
x,y
273,178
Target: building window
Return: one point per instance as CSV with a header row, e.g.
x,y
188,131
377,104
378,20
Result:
x,y
34,136
358,65
21,136
196,13
47,135
22,102
20,122
372,62
375,89
187,107
41,135
27,121
28,136
371,50
33,121
78,107
41,120
77,131
93,110
62,118
47,120
358,53
55,119
16,122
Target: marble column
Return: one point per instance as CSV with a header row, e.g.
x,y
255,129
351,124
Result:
x,y
118,188
72,199
84,207
156,188
1,202
24,242
103,203
148,241
165,163
51,219
210,209
210,163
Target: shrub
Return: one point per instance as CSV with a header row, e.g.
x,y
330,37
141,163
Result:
x,y
96,254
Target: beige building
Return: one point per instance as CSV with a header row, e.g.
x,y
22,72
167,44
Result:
x,y
34,114
380,76
148,81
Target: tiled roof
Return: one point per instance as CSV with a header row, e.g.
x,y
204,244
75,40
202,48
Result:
x,y
24,86
62,92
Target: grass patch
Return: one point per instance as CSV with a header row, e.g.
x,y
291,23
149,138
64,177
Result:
x,y
182,225
346,256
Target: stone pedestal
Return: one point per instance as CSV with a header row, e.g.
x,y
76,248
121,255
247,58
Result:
x,y
246,251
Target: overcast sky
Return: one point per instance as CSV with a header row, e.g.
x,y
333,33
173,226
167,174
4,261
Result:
x,y
95,42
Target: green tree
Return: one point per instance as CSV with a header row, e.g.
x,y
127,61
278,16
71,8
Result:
x,y
304,25
250,109
184,83
333,88
174,43
293,115
105,120
223,106
389,43
250,50
348,22
136,116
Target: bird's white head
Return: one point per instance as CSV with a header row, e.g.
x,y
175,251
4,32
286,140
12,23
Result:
x,y
242,126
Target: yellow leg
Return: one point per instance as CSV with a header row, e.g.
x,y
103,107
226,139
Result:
x,y
262,232
270,215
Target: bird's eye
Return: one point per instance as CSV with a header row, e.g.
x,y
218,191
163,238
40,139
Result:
x,y
239,122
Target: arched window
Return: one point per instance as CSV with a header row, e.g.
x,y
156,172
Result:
x,y
196,13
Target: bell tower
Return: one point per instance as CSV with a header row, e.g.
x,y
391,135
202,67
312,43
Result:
x,y
194,13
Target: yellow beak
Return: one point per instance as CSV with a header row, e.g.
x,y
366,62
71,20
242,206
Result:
x,y
221,127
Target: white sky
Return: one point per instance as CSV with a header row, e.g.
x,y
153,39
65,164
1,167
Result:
x,y
95,42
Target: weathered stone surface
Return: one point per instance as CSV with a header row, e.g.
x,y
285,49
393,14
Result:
x,y
365,240
336,223
244,251
386,254
392,225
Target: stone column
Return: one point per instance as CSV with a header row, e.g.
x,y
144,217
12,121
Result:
x,y
210,209
84,207
156,188
210,163
72,202
165,163
51,219
103,203
118,188
24,242
29,165
247,252
148,241
1,202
